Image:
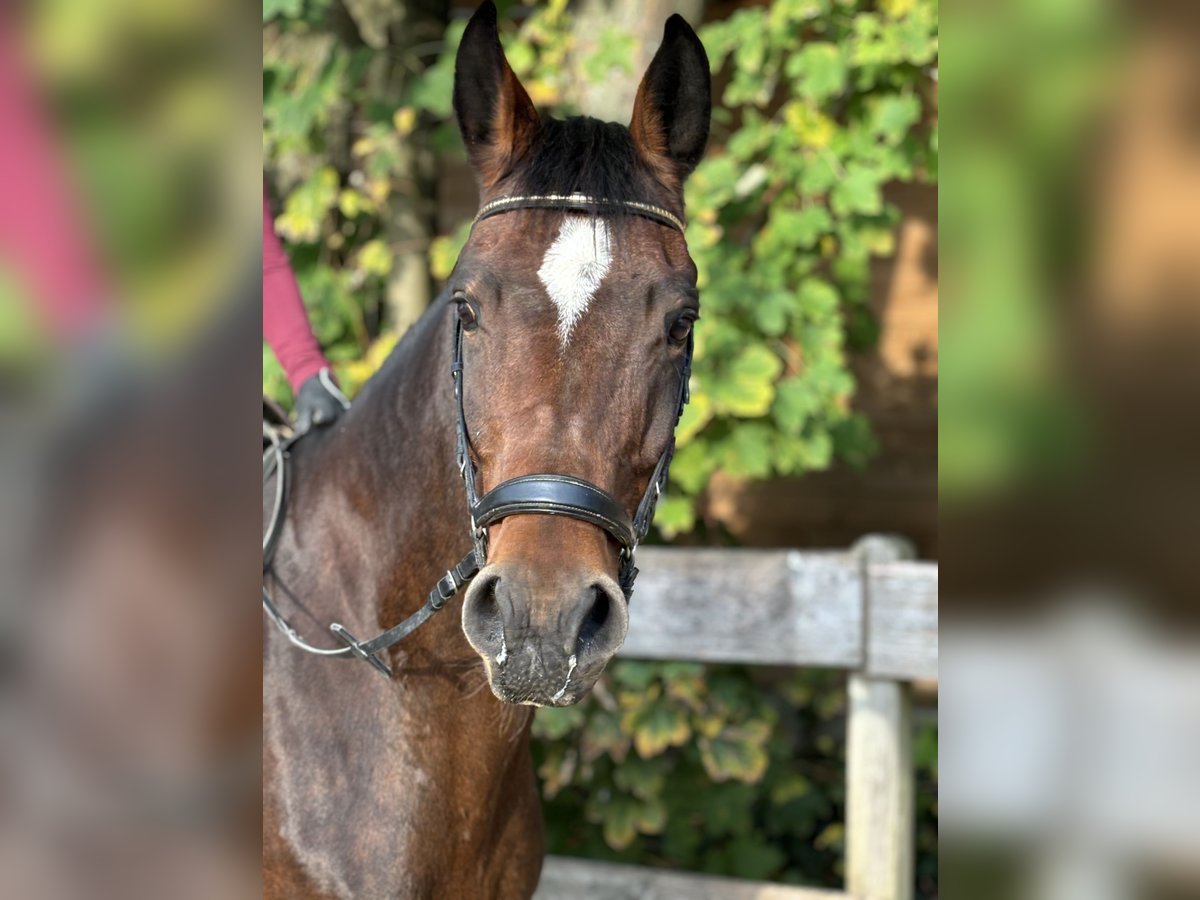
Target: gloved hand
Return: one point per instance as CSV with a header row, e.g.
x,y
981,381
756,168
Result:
x,y
319,402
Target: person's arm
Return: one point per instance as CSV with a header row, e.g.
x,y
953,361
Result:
x,y
43,236
286,328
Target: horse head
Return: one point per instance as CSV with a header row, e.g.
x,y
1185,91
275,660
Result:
x,y
575,310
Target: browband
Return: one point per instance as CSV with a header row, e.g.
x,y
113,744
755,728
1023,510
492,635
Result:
x,y
579,202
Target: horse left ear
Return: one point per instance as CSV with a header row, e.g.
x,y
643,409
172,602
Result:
x,y
674,105
497,119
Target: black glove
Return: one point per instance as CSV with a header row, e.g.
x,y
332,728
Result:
x,y
319,402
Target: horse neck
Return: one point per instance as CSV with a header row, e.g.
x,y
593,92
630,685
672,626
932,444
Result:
x,y
379,515
391,492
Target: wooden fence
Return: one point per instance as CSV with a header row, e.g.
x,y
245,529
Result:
x,y
871,610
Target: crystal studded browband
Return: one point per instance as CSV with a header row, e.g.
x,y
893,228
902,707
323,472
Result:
x,y
579,202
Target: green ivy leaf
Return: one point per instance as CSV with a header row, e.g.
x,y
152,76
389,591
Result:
x,y
634,674
624,816
603,734
288,9
661,726
790,788
652,817
818,174
746,453
644,778
621,822
674,515
696,415
557,770
803,227
308,205
733,758
691,468
553,723
748,387
892,116
771,313
818,300
820,70
858,192
832,837
375,258
796,403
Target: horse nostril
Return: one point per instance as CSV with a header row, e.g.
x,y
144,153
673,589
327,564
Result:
x,y
596,619
483,622
603,621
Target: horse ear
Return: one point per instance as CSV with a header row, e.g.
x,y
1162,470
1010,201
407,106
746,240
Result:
x,y
495,115
674,105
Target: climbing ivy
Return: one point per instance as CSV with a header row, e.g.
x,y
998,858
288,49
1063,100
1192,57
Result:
x,y
819,104
823,103
720,769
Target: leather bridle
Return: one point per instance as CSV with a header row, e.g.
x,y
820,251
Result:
x,y
537,494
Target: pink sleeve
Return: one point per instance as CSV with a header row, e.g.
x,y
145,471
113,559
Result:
x,y
43,237
285,321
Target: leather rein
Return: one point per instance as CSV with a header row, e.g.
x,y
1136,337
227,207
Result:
x,y
538,494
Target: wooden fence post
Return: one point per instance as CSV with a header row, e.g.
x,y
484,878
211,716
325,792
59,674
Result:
x,y
880,808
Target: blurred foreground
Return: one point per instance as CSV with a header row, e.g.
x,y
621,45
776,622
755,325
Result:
x,y
129,304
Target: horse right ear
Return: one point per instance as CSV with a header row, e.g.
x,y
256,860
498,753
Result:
x,y
498,121
674,105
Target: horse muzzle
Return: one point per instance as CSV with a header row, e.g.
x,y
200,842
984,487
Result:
x,y
544,640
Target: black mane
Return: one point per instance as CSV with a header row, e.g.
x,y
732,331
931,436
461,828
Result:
x,y
586,156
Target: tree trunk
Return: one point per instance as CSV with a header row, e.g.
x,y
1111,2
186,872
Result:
x,y
611,98
407,36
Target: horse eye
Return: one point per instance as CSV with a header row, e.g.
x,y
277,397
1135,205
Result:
x,y
681,329
466,313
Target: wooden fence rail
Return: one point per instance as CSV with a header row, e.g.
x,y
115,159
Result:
x,y
871,610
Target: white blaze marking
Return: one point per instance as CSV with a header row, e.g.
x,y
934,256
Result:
x,y
573,268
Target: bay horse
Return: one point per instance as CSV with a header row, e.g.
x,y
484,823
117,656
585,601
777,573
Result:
x,y
560,345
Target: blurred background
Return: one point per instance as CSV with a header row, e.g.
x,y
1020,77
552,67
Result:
x,y
1069,490
813,223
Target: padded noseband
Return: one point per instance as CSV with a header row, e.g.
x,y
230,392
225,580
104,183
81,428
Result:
x,y
556,495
